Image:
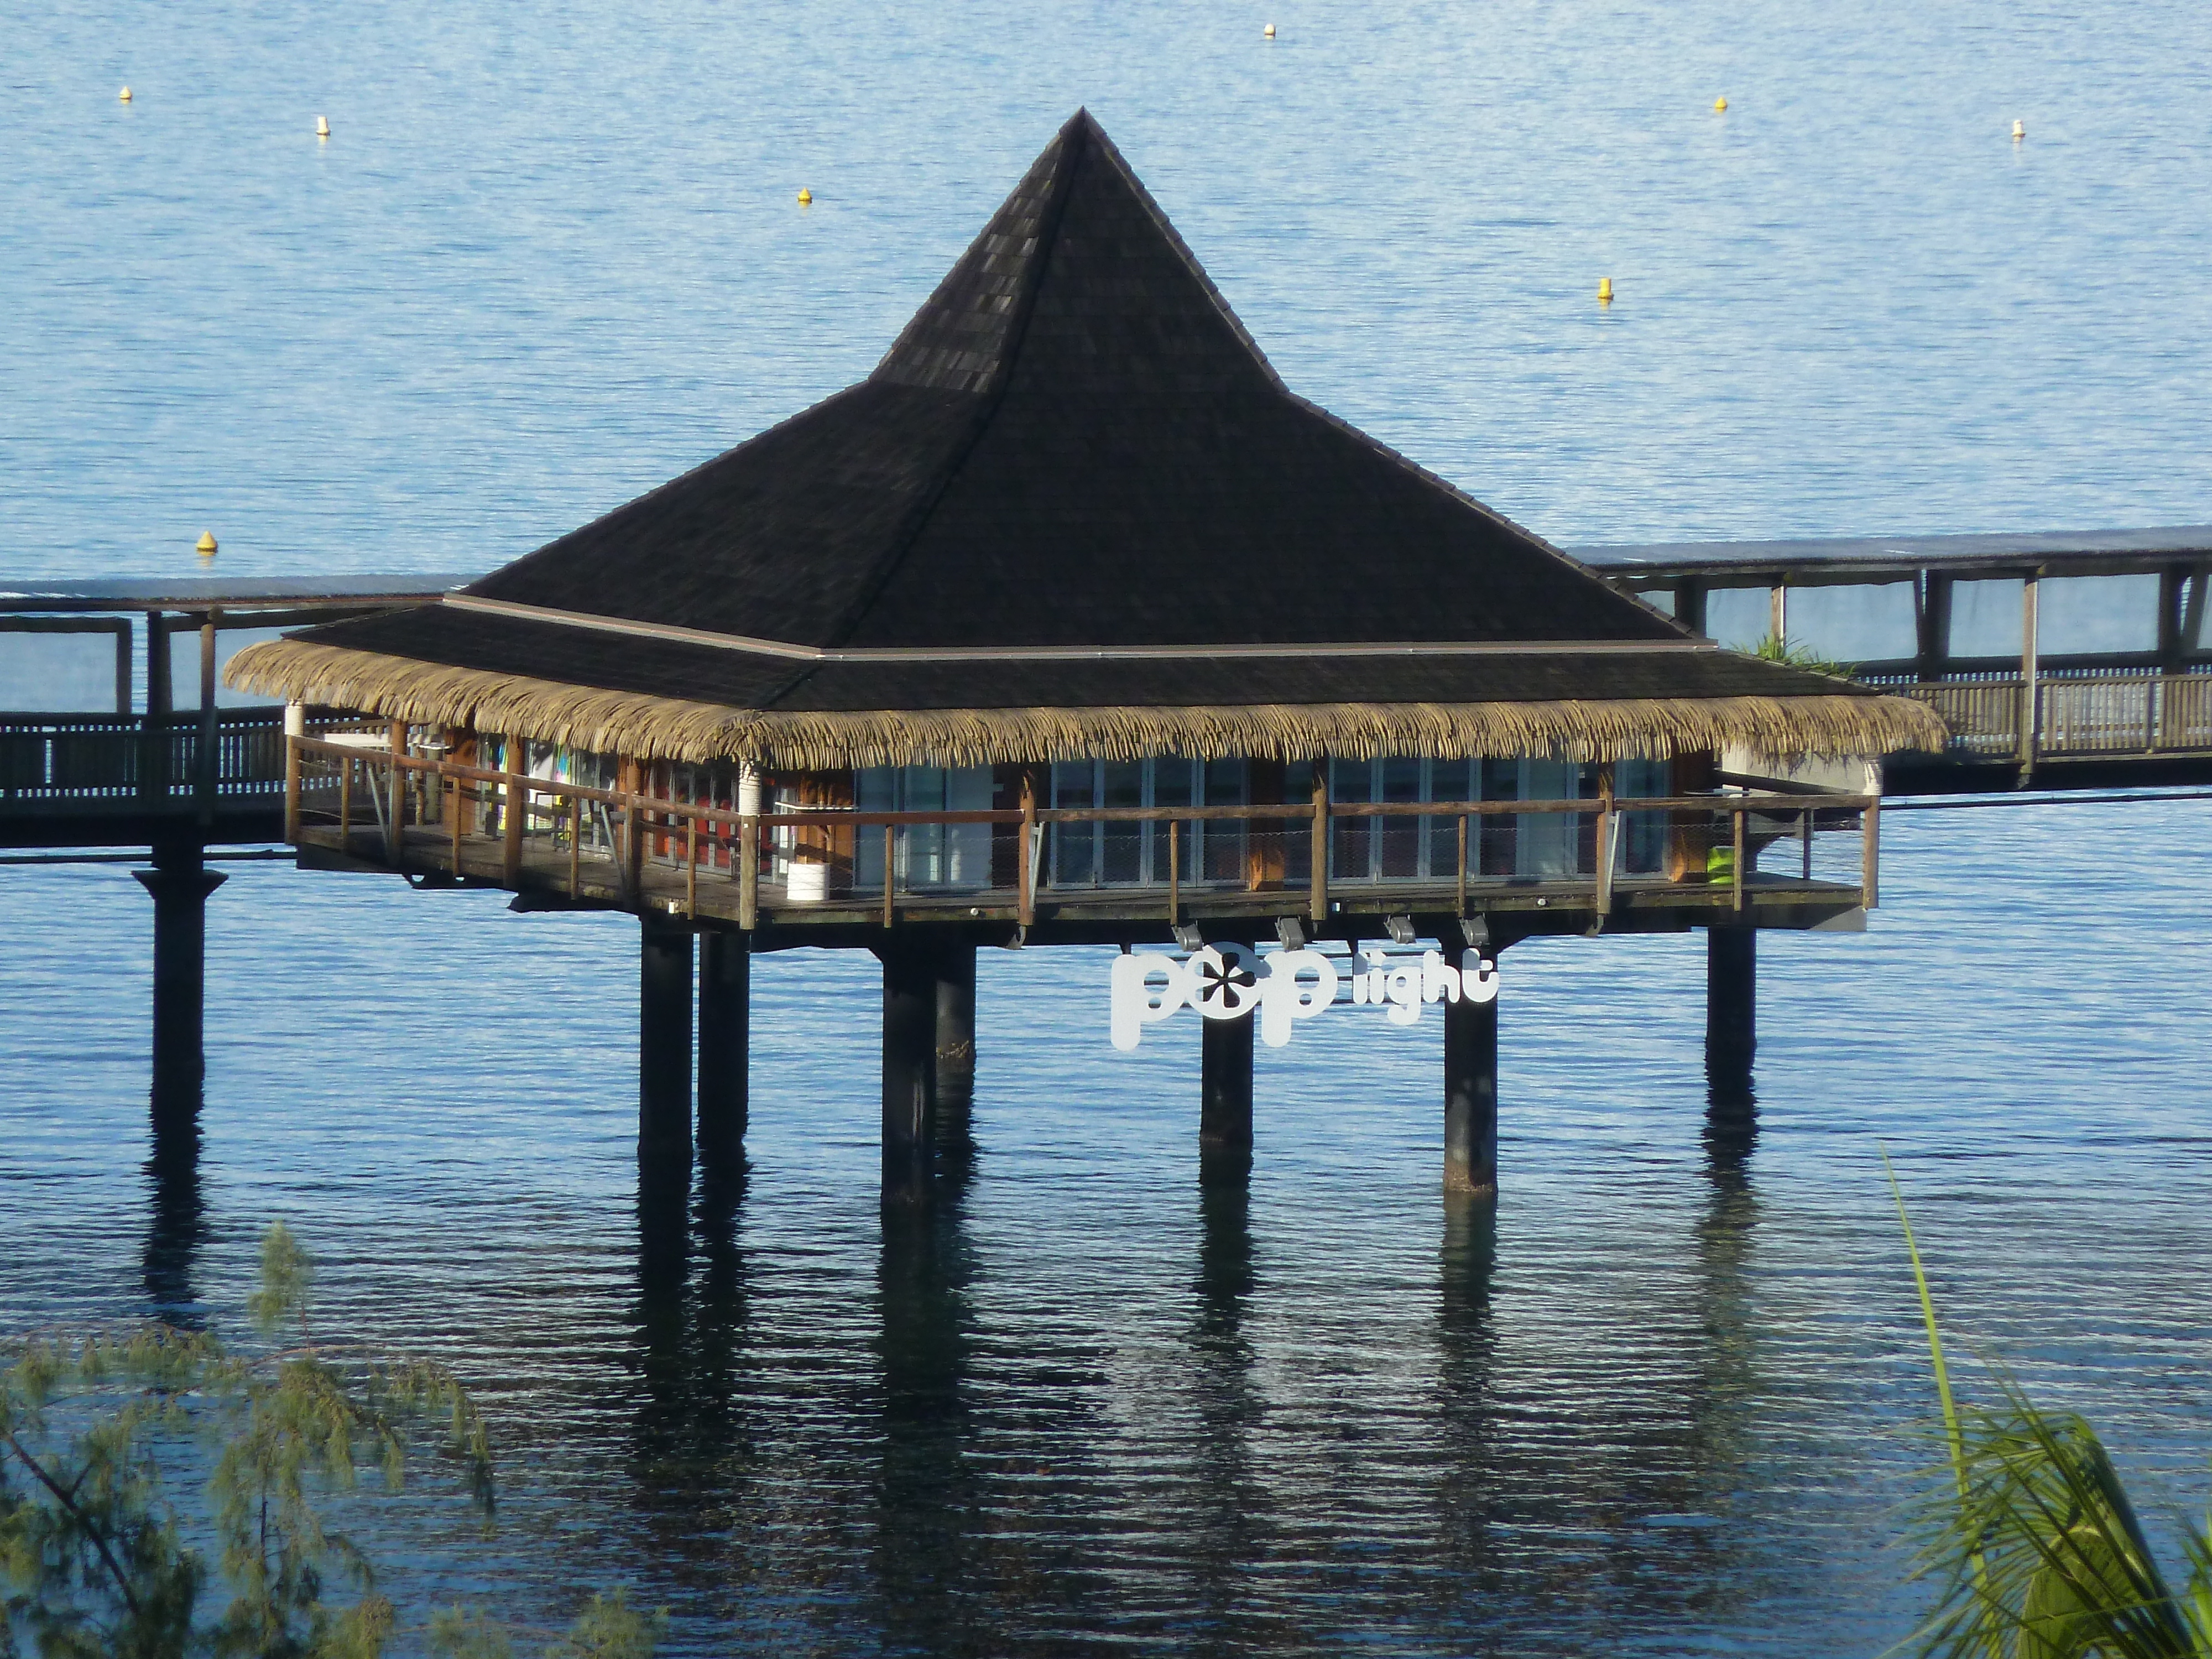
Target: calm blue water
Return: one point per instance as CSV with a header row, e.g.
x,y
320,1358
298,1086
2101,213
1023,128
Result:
x,y
1661,1408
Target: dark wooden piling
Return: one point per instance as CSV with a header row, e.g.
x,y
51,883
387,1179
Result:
x,y
1731,1012
1471,1098
179,883
956,1027
663,1040
725,1044
910,971
1224,1109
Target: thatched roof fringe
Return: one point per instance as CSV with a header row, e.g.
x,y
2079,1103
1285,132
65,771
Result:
x,y
619,722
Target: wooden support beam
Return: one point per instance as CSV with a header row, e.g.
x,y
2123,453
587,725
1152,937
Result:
x,y
1318,894
295,727
204,774
909,1069
1735,863
956,1028
1731,1009
1175,872
179,884
1025,874
749,873
664,1038
1870,853
1690,604
2172,581
1225,1107
725,1045
515,760
395,794
1931,618
1471,1098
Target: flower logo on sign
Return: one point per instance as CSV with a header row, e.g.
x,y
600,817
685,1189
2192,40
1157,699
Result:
x,y
1228,981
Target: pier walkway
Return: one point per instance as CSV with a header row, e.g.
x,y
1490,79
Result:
x,y
2059,660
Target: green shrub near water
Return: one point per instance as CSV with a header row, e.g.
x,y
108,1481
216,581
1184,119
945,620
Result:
x,y
95,1561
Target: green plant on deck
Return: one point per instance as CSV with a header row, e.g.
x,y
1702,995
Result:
x,y
95,1558
1775,648
2033,1543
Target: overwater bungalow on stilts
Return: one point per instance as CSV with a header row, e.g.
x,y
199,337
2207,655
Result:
x,y
1071,624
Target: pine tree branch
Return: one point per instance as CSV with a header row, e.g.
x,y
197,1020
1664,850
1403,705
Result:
x,y
100,1542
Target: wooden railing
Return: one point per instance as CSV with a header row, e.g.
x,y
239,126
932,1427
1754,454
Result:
x,y
2085,715
73,763
458,813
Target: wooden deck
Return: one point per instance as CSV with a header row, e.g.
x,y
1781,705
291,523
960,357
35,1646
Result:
x,y
720,868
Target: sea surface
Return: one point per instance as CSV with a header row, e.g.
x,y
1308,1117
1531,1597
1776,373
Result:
x,y
1666,1401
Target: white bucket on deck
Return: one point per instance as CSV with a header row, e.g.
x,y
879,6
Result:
x,y
806,884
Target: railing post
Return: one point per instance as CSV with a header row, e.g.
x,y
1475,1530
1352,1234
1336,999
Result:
x,y
691,863
1607,827
395,794
345,803
1736,863
1026,856
295,727
2029,714
1318,895
575,840
1175,872
1871,851
517,803
1462,866
749,873
204,782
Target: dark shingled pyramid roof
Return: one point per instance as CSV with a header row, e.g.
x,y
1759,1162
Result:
x,y
1073,443
1072,512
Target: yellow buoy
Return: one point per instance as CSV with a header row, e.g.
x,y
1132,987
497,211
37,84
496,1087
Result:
x,y
124,95
1605,290
322,126
206,545
1269,31
805,197
1720,103
2019,130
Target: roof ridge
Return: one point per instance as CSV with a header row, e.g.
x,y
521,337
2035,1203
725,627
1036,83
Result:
x,y
1078,129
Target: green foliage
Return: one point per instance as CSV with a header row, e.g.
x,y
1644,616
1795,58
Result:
x,y
94,1563
1775,648
609,1628
2033,1543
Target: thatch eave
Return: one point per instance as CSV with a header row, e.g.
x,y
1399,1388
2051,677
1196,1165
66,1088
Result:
x,y
1848,723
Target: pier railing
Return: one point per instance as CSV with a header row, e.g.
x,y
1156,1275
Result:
x,y
2002,716
135,763
367,797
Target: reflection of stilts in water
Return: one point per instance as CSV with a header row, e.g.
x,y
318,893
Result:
x,y
176,1224
1466,1356
1727,1372
692,1447
1228,1503
928,1498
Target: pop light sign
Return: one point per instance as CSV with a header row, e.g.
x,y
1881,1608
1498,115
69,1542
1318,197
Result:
x,y
1228,981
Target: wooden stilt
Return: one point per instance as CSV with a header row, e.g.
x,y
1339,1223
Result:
x,y
664,1038
1731,1009
1471,1098
1224,1109
909,1077
956,1027
725,1044
517,805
